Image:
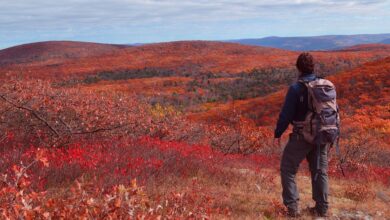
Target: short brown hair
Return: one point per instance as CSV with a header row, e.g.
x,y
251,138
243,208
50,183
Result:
x,y
305,63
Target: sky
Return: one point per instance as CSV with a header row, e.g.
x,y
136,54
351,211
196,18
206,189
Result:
x,y
145,21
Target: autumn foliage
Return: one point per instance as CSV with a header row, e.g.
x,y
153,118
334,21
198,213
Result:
x,y
180,130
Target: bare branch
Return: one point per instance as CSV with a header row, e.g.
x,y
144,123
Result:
x,y
3,138
33,112
100,130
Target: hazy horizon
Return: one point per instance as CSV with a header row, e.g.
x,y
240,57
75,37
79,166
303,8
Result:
x,y
135,43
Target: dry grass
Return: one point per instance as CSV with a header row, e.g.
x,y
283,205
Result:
x,y
251,195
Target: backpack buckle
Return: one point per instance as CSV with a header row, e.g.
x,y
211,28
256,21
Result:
x,y
298,129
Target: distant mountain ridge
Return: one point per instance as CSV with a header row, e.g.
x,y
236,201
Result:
x,y
326,42
386,41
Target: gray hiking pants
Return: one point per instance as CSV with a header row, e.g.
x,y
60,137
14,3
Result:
x,y
294,153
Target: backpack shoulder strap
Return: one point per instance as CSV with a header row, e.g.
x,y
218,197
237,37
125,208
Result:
x,y
303,87
309,99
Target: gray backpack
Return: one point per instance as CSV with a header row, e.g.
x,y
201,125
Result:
x,y
322,121
321,124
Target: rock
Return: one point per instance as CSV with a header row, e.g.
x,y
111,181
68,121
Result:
x,y
244,171
353,215
382,196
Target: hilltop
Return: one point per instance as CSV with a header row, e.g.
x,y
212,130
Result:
x,y
49,52
181,57
59,60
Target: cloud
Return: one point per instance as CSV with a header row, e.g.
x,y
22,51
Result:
x,y
49,13
82,18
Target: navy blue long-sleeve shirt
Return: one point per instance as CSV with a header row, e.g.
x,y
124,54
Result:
x,y
295,105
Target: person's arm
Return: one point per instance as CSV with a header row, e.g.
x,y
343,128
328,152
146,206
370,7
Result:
x,y
287,113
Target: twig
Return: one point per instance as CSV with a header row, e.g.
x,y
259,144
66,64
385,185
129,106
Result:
x,y
34,113
99,130
21,174
3,138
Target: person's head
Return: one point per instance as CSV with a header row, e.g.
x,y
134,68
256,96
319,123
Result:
x,y
305,64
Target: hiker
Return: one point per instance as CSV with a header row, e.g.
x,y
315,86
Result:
x,y
305,109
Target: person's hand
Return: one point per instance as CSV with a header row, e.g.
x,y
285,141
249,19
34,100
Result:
x,y
277,142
